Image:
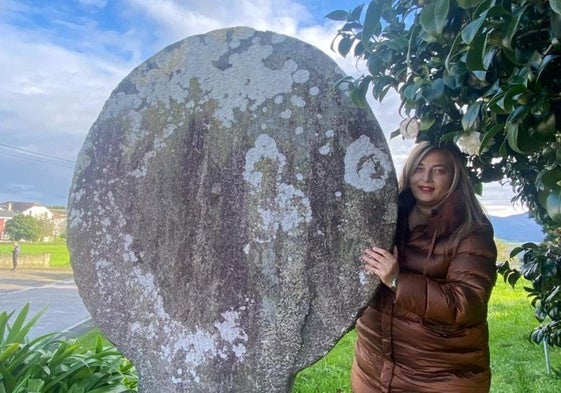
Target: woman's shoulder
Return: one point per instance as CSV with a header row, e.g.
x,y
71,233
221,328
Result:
x,y
480,239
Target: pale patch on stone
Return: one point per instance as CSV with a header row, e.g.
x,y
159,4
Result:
x,y
299,177
330,133
298,101
265,148
299,130
167,85
324,150
289,208
366,167
314,90
294,207
230,331
75,218
286,114
279,99
291,66
362,278
338,194
301,76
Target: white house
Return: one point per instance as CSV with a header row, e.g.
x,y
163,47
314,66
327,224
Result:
x,y
10,209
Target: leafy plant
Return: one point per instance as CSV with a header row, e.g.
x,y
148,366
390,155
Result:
x,y
52,364
23,227
480,73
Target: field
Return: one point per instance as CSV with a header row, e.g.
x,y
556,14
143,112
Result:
x,y
59,253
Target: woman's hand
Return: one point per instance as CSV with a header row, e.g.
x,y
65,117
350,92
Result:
x,y
382,263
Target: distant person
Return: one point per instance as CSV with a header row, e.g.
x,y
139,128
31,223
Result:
x,y
15,254
426,328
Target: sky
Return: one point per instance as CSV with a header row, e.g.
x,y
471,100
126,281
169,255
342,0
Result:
x,y
60,60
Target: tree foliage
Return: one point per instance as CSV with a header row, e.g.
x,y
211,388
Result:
x,y
24,227
484,74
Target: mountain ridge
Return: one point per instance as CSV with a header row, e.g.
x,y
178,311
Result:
x,y
517,228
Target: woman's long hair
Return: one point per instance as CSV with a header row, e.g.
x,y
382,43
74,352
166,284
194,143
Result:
x,y
474,215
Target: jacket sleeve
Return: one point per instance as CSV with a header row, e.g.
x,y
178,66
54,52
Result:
x,y
461,299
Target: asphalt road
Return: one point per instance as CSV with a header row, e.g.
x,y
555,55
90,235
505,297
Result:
x,y
52,290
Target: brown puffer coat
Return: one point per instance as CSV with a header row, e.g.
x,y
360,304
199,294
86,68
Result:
x,y
430,336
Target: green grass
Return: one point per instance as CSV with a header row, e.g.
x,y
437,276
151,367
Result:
x,y
58,251
518,365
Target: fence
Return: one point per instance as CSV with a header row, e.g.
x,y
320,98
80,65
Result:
x,y
26,261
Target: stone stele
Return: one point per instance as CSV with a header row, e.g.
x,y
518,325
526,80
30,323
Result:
x,y
219,208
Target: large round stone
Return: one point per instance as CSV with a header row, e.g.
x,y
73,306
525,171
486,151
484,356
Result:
x,y
219,209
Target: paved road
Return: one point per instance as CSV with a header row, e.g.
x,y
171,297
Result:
x,y
54,289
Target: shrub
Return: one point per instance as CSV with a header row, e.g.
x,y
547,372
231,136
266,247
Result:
x,y
51,363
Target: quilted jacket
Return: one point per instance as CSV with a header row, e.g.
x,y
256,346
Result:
x,y
431,335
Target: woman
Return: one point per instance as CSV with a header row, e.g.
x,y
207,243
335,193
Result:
x,y
426,329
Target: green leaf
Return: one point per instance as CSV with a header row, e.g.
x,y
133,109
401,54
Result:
x,y
357,11
472,29
434,91
433,17
513,277
555,6
512,137
358,91
339,15
489,135
553,206
371,22
344,46
515,251
545,62
456,50
471,118
512,27
410,92
475,54
547,179
517,114
6,353
478,188
555,26
467,4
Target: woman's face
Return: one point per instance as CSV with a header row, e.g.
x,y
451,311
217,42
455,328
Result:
x,y
431,179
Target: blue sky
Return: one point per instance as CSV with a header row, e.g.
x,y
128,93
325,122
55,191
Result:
x,y
61,59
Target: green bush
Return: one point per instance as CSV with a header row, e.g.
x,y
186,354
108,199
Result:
x,y
53,364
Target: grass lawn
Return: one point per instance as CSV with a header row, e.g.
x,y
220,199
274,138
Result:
x,y
58,250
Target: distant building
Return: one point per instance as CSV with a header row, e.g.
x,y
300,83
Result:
x,y
55,217
33,209
5,215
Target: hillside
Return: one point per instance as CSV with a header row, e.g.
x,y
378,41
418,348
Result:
x,y
517,228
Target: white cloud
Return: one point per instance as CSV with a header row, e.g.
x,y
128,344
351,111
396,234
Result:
x,y
46,87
